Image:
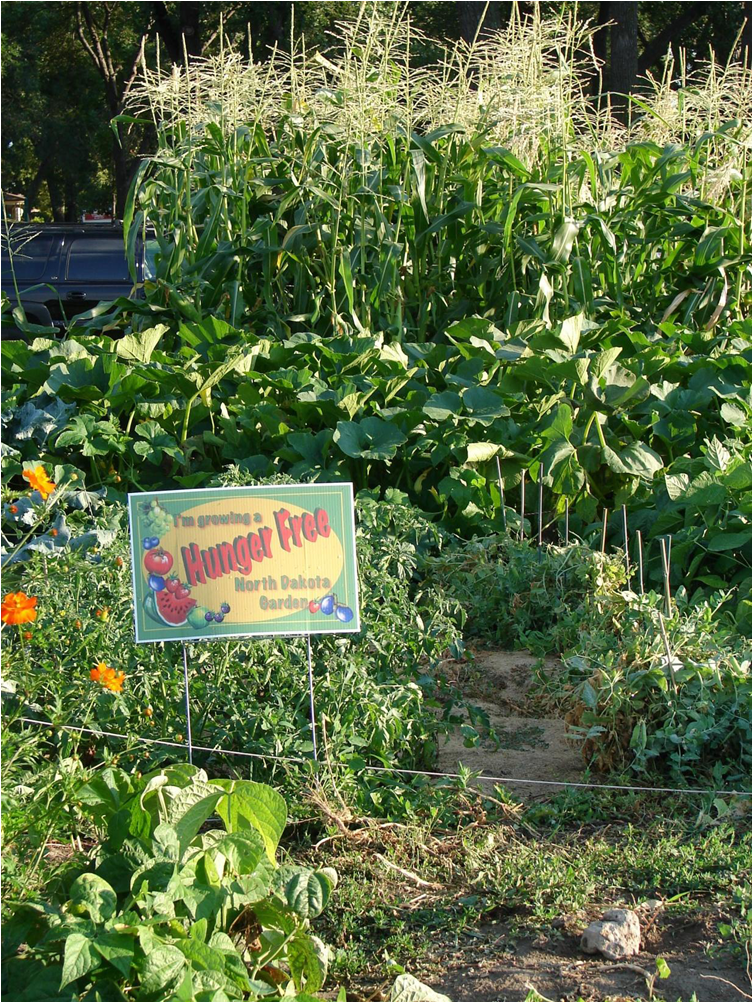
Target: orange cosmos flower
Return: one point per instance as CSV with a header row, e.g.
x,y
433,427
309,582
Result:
x,y
17,607
39,481
108,677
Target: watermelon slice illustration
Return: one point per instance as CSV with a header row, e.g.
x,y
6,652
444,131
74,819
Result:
x,y
164,608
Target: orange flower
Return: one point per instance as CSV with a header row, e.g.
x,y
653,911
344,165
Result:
x,y
14,509
115,682
39,481
108,677
28,635
17,607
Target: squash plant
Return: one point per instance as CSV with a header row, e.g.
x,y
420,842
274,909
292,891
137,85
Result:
x,y
173,908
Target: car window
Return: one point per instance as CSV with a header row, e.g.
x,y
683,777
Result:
x,y
97,259
28,252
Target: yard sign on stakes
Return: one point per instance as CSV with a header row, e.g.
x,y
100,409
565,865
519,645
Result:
x,y
273,560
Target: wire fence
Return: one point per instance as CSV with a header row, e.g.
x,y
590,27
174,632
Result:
x,y
387,769
665,545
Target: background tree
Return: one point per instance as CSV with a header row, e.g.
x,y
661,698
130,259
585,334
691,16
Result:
x,y
114,41
67,68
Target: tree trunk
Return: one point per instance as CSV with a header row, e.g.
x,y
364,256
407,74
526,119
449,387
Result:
x,y
122,177
470,13
600,83
623,62
188,30
656,49
71,202
53,188
32,189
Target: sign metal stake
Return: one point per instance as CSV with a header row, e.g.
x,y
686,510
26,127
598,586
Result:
x,y
188,704
311,696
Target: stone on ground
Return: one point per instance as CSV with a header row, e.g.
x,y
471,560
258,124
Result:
x,y
616,935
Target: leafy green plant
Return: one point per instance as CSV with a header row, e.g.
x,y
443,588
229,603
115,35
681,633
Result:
x,y
170,908
631,707
519,598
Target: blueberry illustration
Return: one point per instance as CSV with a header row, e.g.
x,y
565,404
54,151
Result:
x,y
344,613
327,605
150,542
156,583
218,617
224,608
209,616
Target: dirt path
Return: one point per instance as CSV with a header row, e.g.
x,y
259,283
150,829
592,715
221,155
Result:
x,y
527,747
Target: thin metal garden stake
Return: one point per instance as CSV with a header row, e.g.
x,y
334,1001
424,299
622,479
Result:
x,y
311,696
501,495
627,542
567,522
604,531
522,503
640,560
541,506
665,570
188,705
668,652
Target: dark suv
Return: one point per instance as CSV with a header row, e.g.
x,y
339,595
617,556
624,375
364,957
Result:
x,y
64,269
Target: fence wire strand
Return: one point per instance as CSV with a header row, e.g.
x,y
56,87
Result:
x,y
387,769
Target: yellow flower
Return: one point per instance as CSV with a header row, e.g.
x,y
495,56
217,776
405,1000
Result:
x,y
17,607
39,481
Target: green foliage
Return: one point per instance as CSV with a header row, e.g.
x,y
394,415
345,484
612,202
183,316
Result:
x,y
171,908
632,709
518,598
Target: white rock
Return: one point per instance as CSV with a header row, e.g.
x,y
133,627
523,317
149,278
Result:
x,y
616,935
407,989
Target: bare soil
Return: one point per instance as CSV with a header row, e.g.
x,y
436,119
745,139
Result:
x,y
488,969
486,966
523,746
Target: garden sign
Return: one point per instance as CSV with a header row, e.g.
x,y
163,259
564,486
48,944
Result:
x,y
241,562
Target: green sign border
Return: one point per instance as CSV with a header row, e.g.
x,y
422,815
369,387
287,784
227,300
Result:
x,y
342,520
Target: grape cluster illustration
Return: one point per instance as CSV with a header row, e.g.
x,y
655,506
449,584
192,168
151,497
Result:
x,y
157,522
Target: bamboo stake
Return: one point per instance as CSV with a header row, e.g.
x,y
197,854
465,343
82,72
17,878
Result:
x,y
605,517
668,652
627,542
501,495
665,570
522,504
640,560
541,507
567,522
